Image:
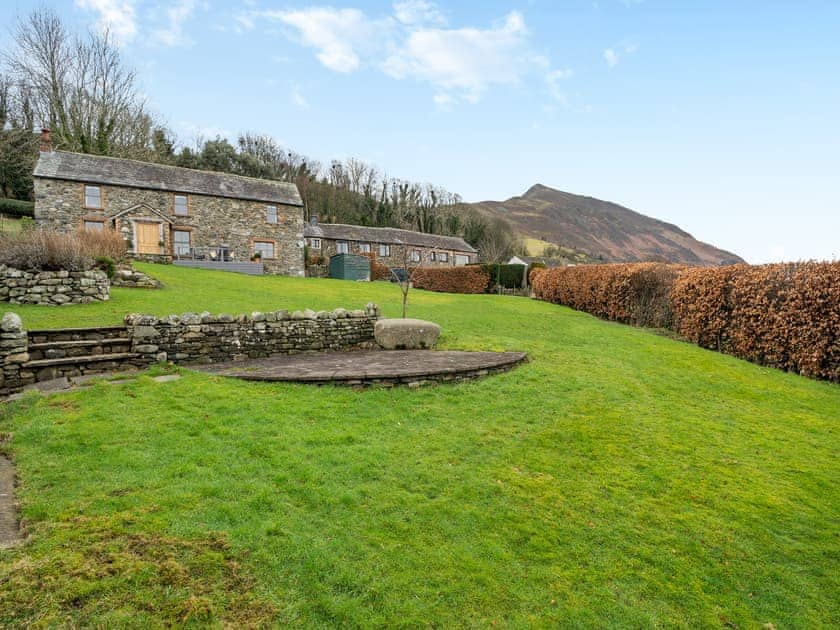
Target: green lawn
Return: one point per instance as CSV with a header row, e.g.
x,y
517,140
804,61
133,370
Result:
x,y
619,479
10,225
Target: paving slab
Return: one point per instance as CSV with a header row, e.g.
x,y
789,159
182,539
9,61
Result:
x,y
369,366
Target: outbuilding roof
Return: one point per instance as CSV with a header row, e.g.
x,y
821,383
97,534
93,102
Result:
x,y
98,169
389,236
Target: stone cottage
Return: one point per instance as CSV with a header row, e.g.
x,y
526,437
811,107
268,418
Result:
x,y
167,212
388,245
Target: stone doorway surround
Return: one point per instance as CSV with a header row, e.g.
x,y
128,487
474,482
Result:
x,y
130,221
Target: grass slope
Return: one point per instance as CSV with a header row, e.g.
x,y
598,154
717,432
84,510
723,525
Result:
x,y
620,479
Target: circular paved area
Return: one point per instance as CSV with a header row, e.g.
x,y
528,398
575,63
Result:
x,y
370,367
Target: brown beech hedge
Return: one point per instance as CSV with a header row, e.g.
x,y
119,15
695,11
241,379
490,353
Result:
x,y
471,279
782,315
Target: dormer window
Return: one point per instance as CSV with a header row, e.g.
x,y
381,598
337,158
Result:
x,y
271,214
93,197
180,206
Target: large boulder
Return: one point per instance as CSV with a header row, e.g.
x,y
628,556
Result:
x,y
406,334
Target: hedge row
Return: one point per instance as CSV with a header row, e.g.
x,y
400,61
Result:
x,y
783,315
17,208
378,271
637,294
508,276
472,279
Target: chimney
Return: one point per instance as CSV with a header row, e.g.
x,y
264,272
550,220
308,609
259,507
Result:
x,y
313,220
46,141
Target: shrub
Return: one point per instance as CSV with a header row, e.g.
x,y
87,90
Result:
x,y
103,243
636,293
472,279
17,208
44,250
508,276
781,315
106,264
378,271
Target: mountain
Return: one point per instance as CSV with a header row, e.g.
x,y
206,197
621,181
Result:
x,y
599,229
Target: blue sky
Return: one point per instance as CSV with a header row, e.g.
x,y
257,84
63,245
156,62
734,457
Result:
x,y
722,117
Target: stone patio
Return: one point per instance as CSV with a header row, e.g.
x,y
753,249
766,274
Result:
x,y
370,367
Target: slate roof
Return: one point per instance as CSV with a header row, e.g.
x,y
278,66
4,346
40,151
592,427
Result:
x,y
390,236
97,169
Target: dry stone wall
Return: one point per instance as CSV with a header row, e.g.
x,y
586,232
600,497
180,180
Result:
x,y
52,287
189,338
206,338
133,279
13,354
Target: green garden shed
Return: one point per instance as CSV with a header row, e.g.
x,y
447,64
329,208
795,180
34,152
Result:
x,y
350,267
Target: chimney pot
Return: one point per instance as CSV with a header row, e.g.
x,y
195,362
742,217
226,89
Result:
x,y
46,141
313,220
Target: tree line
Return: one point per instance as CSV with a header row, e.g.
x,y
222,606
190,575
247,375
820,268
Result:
x,y
83,91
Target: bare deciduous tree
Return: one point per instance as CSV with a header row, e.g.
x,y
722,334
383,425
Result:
x,y
404,273
79,88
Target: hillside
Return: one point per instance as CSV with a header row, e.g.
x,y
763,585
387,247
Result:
x,y
655,484
601,229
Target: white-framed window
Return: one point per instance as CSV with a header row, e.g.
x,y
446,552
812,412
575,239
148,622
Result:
x,y
264,248
91,224
443,257
342,247
181,242
384,250
315,243
461,259
415,255
271,214
364,248
93,197
180,205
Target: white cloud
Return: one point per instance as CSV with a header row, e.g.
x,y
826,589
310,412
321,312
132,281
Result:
x,y
339,35
613,56
414,43
173,35
463,62
117,16
298,99
553,80
418,12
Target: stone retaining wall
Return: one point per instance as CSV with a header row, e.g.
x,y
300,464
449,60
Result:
x,y
188,338
52,287
13,354
206,338
133,279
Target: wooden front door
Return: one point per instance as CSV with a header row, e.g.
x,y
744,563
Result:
x,y
148,238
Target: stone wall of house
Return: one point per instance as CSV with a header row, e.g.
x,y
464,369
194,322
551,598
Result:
x,y
13,354
206,338
396,258
211,221
52,287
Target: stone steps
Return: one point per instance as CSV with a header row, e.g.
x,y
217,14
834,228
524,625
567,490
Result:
x,y
90,358
80,343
